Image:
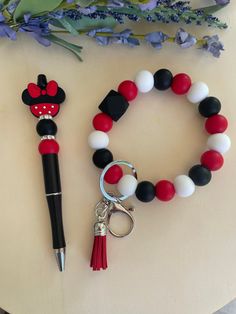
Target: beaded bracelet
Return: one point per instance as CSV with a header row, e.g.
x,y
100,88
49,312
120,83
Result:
x,y
112,109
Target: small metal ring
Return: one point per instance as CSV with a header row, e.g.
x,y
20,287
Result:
x,y
118,208
111,198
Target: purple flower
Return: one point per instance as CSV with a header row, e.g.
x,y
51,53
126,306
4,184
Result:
x,y
41,39
222,2
88,10
59,14
148,6
101,40
12,6
27,17
213,45
5,30
118,38
184,39
116,3
2,18
124,38
156,39
37,28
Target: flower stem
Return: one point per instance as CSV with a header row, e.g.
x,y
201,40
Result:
x,y
170,39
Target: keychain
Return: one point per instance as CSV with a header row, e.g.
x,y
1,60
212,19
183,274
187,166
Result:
x,y
105,208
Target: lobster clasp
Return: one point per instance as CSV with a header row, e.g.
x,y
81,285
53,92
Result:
x,y
115,208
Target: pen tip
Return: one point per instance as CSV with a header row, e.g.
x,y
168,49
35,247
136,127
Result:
x,y
60,257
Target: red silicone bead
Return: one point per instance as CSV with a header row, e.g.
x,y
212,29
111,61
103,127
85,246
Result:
x,y
113,175
48,147
165,190
216,124
181,83
212,160
128,89
102,122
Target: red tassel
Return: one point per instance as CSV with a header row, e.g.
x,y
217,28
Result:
x,y
99,252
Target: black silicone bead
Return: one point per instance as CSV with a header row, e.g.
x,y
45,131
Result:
x,y
163,79
200,175
145,191
209,106
46,127
102,157
114,105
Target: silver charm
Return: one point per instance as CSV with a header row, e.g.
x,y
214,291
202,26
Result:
x,y
104,210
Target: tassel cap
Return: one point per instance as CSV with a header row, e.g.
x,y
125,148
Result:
x,y
100,229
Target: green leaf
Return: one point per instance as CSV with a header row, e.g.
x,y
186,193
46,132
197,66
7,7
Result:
x,y
84,3
75,49
67,24
5,3
212,9
139,1
85,23
7,15
35,7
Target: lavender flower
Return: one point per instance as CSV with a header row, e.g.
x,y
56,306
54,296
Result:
x,y
156,39
118,38
12,6
165,11
41,25
184,39
213,45
27,17
222,2
124,38
5,30
37,28
88,10
101,40
59,14
2,18
116,3
148,6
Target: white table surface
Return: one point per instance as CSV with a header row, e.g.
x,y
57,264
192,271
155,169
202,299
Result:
x,y
181,257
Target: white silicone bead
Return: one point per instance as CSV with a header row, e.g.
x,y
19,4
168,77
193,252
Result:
x,y
98,140
127,185
197,92
219,142
184,186
144,81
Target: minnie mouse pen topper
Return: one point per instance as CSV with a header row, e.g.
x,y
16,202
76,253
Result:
x,y
44,99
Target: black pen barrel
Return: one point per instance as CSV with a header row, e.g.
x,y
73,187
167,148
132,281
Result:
x,y
51,173
54,198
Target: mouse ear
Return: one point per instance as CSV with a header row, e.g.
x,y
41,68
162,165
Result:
x,y
61,96
26,98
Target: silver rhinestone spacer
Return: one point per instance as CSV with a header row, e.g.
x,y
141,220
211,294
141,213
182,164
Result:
x,y
45,116
48,137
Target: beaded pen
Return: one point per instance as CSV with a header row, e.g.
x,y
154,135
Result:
x,y
44,99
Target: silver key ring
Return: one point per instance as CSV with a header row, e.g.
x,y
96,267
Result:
x,y
109,197
119,208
